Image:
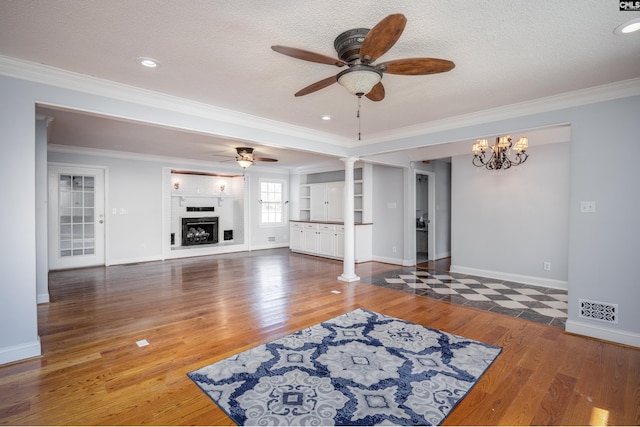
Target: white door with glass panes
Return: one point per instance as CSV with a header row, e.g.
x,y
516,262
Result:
x,y
75,217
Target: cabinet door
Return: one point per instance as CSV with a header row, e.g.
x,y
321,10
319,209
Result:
x,y
335,201
310,237
326,240
340,242
318,202
295,242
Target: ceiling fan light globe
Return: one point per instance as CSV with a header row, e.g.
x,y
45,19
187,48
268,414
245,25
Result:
x,y
244,163
359,80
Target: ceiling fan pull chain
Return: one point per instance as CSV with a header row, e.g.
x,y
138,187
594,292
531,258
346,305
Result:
x,y
358,116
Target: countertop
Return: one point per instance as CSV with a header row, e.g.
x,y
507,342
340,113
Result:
x,y
328,222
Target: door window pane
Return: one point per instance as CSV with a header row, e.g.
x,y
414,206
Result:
x,y
76,215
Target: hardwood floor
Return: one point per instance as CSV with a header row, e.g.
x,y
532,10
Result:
x,y
196,311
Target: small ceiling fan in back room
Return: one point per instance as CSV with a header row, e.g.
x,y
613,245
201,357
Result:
x,y
358,49
245,157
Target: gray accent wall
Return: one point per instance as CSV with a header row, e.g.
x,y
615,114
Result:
x,y
507,223
388,214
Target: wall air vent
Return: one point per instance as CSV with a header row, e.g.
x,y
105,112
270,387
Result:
x,y
595,310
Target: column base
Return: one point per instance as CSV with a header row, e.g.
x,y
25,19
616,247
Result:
x,y
348,278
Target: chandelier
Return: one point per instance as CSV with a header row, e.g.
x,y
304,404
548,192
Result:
x,y
500,152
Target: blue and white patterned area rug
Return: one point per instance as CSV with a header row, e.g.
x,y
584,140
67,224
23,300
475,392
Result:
x,y
361,368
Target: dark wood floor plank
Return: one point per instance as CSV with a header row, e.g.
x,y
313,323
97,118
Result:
x,y
196,311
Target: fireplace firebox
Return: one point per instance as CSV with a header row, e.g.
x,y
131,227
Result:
x,y
199,231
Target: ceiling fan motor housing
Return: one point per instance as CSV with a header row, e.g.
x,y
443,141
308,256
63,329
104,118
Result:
x,y
348,44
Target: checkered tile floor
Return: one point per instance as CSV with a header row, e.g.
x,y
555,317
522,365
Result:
x,y
538,304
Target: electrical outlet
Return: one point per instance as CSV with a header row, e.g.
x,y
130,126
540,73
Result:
x,y
587,207
393,248
547,266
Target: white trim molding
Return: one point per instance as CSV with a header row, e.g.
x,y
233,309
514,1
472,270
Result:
x,y
45,74
20,352
603,333
395,261
606,92
518,278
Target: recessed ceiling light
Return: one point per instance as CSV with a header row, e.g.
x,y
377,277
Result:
x,y
628,27
148,62
326,117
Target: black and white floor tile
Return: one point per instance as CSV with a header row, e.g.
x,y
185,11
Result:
x,y
535,303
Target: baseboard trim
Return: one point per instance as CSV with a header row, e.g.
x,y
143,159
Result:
x,y
442,255
388,260
20,352
518,278
603,333
42,298
134,260
268,246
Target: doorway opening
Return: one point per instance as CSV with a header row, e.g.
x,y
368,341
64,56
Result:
x,y
423,219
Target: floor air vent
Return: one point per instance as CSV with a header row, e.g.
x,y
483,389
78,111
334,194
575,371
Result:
x,y
602,311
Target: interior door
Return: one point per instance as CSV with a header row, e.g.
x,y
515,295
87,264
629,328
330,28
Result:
x,y
75,217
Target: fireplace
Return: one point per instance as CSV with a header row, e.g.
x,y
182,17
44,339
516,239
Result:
x,y
199,231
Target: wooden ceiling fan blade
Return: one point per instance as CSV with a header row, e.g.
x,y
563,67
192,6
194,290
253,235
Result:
x,y
382,37
317,86
417,66
264,159
306,55
376,93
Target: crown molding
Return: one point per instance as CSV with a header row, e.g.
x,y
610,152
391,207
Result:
x,y
124,155
57,77
45,74
607,92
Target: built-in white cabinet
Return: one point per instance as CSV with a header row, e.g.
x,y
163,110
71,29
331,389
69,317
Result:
x,y
326,201
327,240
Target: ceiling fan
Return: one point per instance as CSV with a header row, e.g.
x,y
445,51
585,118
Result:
x,y
358,49
245,157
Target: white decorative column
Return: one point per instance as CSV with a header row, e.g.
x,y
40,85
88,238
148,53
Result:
x,y
349,264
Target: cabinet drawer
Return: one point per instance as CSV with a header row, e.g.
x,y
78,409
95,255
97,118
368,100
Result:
x,y
326,227
310,226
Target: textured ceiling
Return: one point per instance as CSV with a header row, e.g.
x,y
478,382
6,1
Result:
x,y
219,53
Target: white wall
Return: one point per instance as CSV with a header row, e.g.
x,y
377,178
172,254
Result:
x,y
132,186
388,214
17,224
443,209
604,246
506,224
42,269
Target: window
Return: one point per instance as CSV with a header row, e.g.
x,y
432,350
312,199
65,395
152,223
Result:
x,y
271,202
